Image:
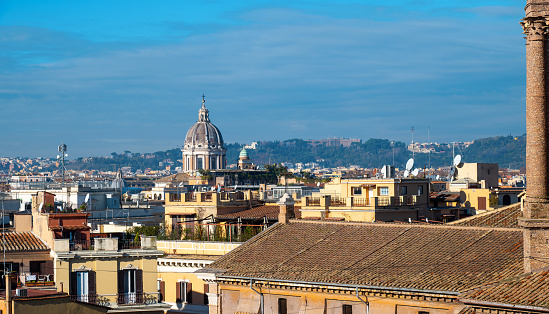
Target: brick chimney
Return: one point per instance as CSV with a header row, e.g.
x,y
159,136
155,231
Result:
x,y
535,220
286,208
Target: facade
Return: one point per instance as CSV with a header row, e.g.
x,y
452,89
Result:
x,y
178,283
484,173
182,209
204,147
117,274
369,200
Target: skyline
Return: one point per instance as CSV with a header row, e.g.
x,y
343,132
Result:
x,y
104,78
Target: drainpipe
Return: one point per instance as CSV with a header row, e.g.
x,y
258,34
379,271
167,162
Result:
x,y
261,294
365,302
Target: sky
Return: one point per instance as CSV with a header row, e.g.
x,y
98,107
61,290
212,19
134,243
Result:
x,y
110,76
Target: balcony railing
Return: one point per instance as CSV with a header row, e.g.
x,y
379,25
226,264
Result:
x,y
140,298
86,298
361,202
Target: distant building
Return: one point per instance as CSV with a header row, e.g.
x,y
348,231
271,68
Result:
x,y
335,141
483,173
204,147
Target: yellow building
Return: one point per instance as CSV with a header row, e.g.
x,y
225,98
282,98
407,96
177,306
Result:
x,y
369,200
111,272
181,207
177,281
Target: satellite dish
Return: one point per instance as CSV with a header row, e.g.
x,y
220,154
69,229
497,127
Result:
x,y
66,155
438,177
457,160
453,173
384,172
415,172
87,198
317,184
406,173
219,188
409,164
58,156
40,207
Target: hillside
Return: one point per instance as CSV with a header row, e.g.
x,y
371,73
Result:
x,y
504,150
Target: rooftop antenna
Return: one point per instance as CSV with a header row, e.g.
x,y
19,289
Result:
x,y
63,150
413,153
393,145
429,141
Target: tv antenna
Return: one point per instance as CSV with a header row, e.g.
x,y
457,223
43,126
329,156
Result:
x,y
63,153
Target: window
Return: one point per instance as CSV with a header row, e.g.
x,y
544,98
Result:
x,y
130,286
422,312
183,292
420,190
199,164
282,306
82,286
384,190
403,190
356,191
347,309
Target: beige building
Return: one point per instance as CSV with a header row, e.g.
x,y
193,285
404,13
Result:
x,y
484,173
178,283
181,207
120,275
369,200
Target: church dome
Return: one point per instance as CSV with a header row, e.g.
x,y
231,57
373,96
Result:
x,y
203,133
243,153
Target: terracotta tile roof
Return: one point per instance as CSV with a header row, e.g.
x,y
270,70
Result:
x,y
467,310
505,217
21,242
440,258
530,290
178,177
269,211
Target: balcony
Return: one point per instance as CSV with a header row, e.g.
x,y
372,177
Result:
x,y
120,299
104,244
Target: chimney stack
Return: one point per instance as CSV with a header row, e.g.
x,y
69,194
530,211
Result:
x,y
286,209
535,220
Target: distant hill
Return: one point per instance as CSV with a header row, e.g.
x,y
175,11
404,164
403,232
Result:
x,y
503,150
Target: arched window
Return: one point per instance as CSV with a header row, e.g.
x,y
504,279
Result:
x,y
506,199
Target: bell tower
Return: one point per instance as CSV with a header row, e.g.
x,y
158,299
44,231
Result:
x,y
535,220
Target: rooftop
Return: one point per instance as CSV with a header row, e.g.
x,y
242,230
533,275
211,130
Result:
x,y
430,258
21,242
505,217
529,290
259,212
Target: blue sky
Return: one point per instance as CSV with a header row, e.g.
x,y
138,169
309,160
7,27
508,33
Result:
x,y
108,76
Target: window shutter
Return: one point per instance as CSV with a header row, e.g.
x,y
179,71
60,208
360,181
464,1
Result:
x,y
178,292
72,283
139,285
91,286
189,292
206,291
162,291
121,298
